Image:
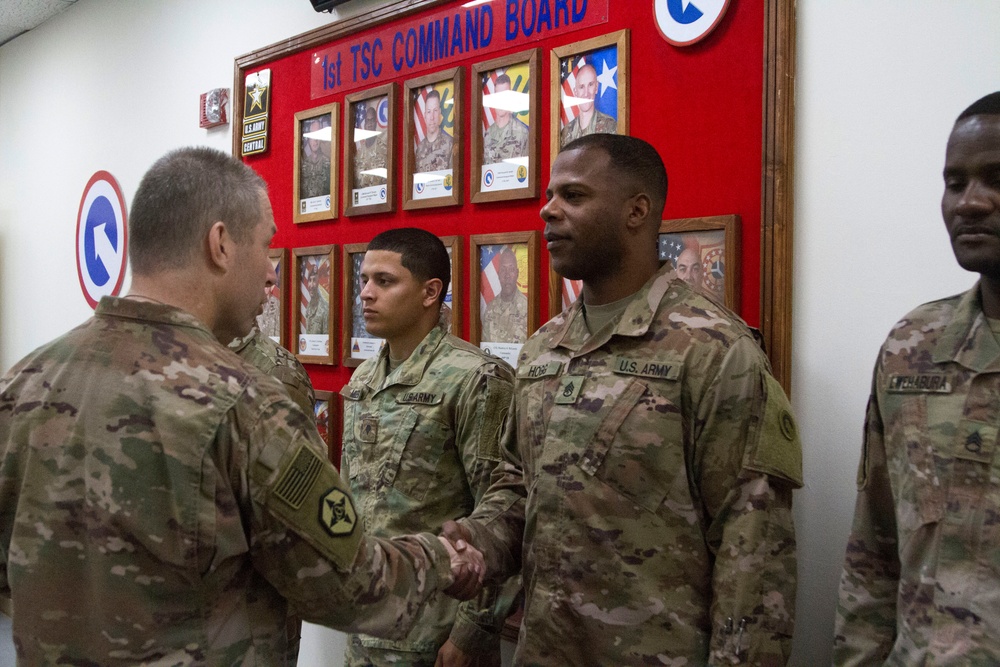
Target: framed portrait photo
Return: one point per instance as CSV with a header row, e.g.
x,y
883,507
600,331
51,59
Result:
x,y
451,310
326,412
590,89
705,252
432,169
504,304
314,271
505,119
358,344
273,319
369,151
314,178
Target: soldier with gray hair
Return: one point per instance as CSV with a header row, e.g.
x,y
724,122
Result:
x,y
920,582
649,457
161,500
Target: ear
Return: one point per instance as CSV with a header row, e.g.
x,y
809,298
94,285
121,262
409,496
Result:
x,y
220,246
638,207
432,290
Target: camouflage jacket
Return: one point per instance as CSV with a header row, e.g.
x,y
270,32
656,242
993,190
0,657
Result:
x,y
271,359
504,143
600,123
419,447
506,320
434,156
161,501
269,321
647,480
921,582
368,157
314,176
318,314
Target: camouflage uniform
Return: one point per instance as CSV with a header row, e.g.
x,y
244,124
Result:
x,y
162,501
600,123
506,320
419,447
314,175
647,482
504,143
370,157
269,321
920,584
318,313
271,359
434,156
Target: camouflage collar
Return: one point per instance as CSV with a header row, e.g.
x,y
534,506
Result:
x,y
135,309
967,338
410,371
238,344
572,332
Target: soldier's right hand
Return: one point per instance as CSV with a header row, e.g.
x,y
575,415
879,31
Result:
x,y
467,569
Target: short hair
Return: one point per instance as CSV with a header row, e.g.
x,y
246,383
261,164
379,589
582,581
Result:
x,y
988,105
421,253
503,78
436,94
635,160
179,199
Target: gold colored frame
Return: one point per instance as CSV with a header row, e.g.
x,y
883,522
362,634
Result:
x,y
347,303
529,57
388,91
454,244
281,255
332,422
620,40
333,111
510,238
330,251
410,88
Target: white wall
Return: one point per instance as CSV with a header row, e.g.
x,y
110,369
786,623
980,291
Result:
x,y
113,84
880,83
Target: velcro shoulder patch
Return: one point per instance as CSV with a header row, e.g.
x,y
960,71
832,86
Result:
x,y
776,450
310,497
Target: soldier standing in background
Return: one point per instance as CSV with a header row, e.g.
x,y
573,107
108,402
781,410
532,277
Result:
x,y
650,456
162,501
507,137
371,154
920,580
318,310
314,168
505,319
428,410
435,151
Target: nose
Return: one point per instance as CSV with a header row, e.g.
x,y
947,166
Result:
x,y
548,211
272,275
366,291
975,200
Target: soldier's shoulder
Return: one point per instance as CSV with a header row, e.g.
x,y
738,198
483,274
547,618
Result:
x,y
932,314
464,355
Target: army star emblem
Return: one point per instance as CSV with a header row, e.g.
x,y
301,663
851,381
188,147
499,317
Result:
x,y
336,513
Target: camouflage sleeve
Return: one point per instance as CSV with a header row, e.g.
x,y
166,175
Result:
x,y
865,627
748,461
497,523
295,380
483,404
308,543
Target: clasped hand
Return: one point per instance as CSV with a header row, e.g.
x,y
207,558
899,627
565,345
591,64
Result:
x,y
467,568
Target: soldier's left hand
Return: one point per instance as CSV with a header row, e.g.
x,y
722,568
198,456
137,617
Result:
x,y
467,569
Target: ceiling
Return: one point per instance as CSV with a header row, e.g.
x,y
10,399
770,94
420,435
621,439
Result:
x,y
20,16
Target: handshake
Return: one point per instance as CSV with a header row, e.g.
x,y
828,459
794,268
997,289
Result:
x,y
468,567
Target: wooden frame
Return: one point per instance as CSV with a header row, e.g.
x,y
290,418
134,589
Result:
x,y
565,60
273,321
494,176
356,345
428,185
318,199
328,421
714,242
370,192
453,317
505,349
314,347
777,155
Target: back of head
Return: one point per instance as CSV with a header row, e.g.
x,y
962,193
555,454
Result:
x,y
421,253
634,161
988,105
181,196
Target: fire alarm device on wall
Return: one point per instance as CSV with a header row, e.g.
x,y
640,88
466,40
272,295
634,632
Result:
x,y
213,107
